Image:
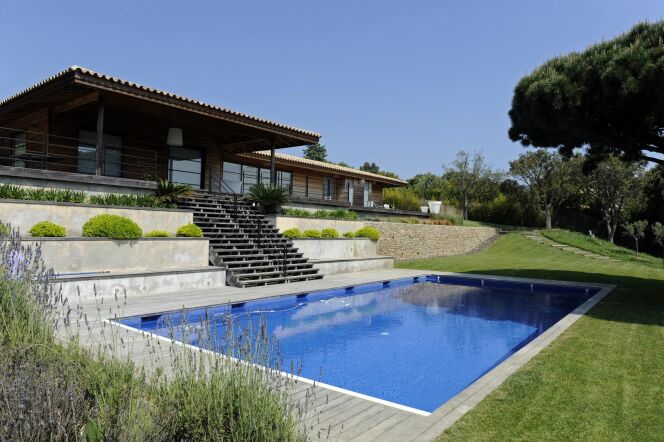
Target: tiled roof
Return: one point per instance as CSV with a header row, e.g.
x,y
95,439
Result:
x,y
154,91
327,166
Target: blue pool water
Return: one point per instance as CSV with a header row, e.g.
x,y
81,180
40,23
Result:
x,y
416,342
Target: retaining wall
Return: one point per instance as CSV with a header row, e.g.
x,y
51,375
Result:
x,y
23,215
336,248
411,241
73,255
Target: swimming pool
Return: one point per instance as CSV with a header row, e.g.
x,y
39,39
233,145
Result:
x,y
416,342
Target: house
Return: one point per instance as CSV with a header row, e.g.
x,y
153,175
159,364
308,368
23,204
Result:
x,y
85,130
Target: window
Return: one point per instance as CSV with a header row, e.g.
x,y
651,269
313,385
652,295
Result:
x,y
328,188
349,189
367,194
285,180
232,177
185,166
20,148
249,177
87,154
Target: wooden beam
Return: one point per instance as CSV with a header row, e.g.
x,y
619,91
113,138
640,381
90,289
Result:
x,y
76,102
273,165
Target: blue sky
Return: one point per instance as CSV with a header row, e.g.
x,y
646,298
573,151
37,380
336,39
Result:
x,y
404,84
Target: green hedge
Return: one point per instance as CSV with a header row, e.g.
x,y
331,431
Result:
x,y
112,226
329,233
334,214
46,229
312,233
157,234
349,235
368,232
189,231
8,191
292,233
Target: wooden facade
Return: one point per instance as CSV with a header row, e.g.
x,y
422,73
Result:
x,y
84,123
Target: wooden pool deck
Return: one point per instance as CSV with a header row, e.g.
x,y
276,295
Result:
x,y
333,414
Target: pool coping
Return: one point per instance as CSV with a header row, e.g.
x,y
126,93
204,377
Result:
x,y
449,412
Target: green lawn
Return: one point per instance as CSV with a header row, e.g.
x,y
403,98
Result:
x,y
600,246
603,379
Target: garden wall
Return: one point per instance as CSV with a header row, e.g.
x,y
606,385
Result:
x,y
411,241
72,255
23,215
336,248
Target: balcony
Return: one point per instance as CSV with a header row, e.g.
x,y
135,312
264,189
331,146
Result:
x,y
48,152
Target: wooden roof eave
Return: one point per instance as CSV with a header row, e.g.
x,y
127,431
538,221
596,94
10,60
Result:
x,y
295,138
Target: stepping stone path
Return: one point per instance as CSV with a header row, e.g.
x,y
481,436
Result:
x,y
538,238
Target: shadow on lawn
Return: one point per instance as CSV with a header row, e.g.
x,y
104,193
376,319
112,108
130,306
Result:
x,y
634,300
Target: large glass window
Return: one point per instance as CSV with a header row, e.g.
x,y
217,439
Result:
x,y
20,149
328,188
87,154
185,166
240,177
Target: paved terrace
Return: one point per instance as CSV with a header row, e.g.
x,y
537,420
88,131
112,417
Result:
x,y
332,414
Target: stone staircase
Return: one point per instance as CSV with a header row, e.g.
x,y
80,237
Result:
x,y
251,248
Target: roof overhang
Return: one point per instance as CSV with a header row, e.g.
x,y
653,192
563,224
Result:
x,y
77,83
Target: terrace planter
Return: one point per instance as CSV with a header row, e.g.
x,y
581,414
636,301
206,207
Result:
x,y
434,207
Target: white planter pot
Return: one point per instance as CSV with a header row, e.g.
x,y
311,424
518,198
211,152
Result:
x,y
424,209
434,207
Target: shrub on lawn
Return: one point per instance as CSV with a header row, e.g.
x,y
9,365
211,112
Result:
x,y
112,226
329,233
349,235
292,233
157,234
48,229
368,232
312,233
189,231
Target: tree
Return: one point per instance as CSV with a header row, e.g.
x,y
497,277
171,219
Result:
x,y
344,164
316,152
543,173
370,167
636,230
616,187
658,232
429,186
471,180
609,98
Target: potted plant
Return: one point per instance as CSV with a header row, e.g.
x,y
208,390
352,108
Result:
x,y
424,208
269,198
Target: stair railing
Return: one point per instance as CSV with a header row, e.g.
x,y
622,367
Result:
x,y
258,227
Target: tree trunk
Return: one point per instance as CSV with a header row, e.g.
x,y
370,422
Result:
x,y
465,208
548,213
636,242
612,226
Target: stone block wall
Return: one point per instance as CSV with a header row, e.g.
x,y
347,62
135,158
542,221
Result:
x,y
411,241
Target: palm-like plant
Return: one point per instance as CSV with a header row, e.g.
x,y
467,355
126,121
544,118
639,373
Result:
x,y
268,196
171,193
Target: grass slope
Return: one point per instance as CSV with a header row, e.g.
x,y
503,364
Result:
x,y
602,379
600,246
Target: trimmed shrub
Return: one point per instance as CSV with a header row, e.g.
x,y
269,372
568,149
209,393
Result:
x,y
4,229
189,231
329,233
312,233
368,232
111,226
48,229
292,233
349,235
114,199
157,234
